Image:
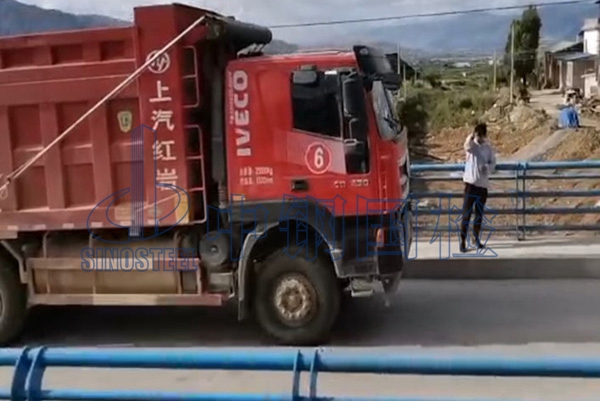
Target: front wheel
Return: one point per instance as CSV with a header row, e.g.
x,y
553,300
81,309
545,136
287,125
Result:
x,y
297,300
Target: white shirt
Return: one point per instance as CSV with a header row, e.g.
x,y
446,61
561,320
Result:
x,y
480,162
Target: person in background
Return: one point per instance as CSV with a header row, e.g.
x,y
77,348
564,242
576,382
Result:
x,y
480,163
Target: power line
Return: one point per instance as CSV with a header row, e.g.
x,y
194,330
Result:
x,y
424,15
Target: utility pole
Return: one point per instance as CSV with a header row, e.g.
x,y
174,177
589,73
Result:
x,y
546,72
512,60
398,60
404,78
495,71
537,70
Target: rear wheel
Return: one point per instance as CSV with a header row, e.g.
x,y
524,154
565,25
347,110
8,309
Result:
x,y
296,300
13,305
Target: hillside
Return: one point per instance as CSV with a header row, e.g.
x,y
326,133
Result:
x,y
17,18
480,33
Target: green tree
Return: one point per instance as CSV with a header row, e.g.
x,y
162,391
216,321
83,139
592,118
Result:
x,y
527,40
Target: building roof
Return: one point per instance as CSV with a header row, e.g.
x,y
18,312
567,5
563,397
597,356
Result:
x,y
565,47
576,56
590,24
565,44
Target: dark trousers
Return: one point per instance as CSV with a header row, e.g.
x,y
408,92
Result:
x,y
475,199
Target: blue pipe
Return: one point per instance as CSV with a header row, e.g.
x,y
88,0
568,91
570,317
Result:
x,y
506,177
286,360
512,228
86,395
119,395
513,194
512,166
516,211
30,365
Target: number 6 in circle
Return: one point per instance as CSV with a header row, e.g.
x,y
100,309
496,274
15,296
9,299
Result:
x,y
317,158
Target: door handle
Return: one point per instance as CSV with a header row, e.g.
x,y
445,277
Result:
x,y
299,185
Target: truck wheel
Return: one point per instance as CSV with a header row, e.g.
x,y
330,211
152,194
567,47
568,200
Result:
x,y
13,305
296,300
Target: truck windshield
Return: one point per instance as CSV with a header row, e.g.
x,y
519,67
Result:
x,y
387,119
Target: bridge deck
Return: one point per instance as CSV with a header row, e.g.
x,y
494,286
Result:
x,y
542,257
542,247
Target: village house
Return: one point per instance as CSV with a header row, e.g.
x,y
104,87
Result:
x,y
554,75
574,65
590,35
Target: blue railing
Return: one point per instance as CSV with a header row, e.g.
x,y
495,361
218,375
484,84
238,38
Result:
x,y
522,174
30,365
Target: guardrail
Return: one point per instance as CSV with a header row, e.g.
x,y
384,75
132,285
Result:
x,y
522,173
30,365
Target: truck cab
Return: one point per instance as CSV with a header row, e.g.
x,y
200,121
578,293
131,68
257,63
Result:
x,y
317,173
173,163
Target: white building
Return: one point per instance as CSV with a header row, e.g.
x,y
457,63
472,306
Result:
x,y
462,64
591,36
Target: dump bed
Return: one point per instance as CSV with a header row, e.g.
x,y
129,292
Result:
x,y
113,164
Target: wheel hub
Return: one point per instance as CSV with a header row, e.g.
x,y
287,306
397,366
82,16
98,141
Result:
x,y
294,299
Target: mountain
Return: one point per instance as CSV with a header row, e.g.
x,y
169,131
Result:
x,y
18,18
466,34
280,47
471,33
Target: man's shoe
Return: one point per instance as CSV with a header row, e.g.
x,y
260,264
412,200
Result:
x,y
463,248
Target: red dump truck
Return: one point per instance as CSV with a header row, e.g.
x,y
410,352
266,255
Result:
x,y
171,162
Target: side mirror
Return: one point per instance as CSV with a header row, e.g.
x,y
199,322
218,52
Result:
x,y
392,81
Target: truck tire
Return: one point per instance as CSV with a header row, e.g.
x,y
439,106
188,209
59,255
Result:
x,y
296,300
13,305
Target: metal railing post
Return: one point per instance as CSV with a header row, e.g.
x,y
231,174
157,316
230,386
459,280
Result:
x,y
525,196
518,202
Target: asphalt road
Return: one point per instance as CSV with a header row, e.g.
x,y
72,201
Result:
x,y
424,313
500,317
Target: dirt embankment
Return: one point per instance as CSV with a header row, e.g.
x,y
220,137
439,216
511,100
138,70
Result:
x,y
523,133
517,132
520,133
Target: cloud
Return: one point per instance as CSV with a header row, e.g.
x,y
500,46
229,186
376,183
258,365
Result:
x,y
275,12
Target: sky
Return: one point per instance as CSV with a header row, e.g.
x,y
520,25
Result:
x,y
284,11
275,12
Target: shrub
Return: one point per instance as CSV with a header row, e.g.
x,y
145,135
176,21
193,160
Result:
x,y
435,109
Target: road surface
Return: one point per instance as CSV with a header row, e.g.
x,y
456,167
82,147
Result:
x,y
425,313
534,317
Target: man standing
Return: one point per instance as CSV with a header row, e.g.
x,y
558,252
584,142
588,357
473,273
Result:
x,y
479,165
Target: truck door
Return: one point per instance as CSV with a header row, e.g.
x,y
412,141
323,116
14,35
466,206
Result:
x,y
318,142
